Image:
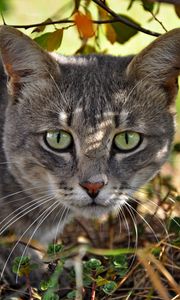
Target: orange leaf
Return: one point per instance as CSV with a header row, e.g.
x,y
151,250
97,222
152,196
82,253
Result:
x,y
84,25
110,33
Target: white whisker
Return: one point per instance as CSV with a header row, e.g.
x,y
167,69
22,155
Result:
x,y
132,215
159,220
43,218
64,213
41,215
143,220
127,226
23,213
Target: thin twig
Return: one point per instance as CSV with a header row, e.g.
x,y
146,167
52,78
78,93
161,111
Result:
x,y
65,21
156,19
123,20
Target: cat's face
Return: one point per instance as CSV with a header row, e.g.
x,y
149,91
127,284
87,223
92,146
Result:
x,y
88,131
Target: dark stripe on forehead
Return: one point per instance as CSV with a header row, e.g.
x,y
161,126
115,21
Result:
x,y
117,120
69,119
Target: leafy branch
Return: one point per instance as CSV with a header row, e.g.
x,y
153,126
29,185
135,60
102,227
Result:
x,y
123,20
116,18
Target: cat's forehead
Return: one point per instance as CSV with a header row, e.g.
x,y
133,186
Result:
x,y
92,93
92,88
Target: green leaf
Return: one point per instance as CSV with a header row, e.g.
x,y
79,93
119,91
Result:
x,y
111,252
109,287
87,280
120,264
54,249
124,32
50,40
71,295
50,296
44,285
93,264
148,5
120,261
22,266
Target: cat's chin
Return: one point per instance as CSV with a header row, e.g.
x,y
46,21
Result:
x,y
94,211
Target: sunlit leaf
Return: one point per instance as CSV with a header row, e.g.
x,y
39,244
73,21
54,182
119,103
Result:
x,y
124,32
50,40
110,33
84,25
55,40
177,10
101,281
103,14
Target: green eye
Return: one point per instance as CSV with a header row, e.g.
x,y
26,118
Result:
x,y
127,140
58,139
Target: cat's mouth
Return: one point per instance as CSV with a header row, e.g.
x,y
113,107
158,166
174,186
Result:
x,y
92,209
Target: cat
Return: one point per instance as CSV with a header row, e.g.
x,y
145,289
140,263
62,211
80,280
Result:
x,y
80,134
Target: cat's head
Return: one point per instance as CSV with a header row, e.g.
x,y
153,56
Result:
x,y
88,130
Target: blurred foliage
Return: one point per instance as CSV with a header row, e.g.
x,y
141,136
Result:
x,y
3,6
87,16
83,17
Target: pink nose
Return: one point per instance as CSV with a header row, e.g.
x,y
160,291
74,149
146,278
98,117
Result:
x,y
92,188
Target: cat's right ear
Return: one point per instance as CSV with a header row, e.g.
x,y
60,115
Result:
x,y
158,64
24,61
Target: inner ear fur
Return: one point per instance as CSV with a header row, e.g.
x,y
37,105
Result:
x,y
159,63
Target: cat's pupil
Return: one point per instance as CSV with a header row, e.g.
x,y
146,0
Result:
x,y
126,138
58,137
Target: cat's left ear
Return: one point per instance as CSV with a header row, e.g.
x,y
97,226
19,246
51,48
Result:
x,y
24,61
159,63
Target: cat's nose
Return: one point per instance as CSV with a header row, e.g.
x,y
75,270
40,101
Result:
x,y
92,188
